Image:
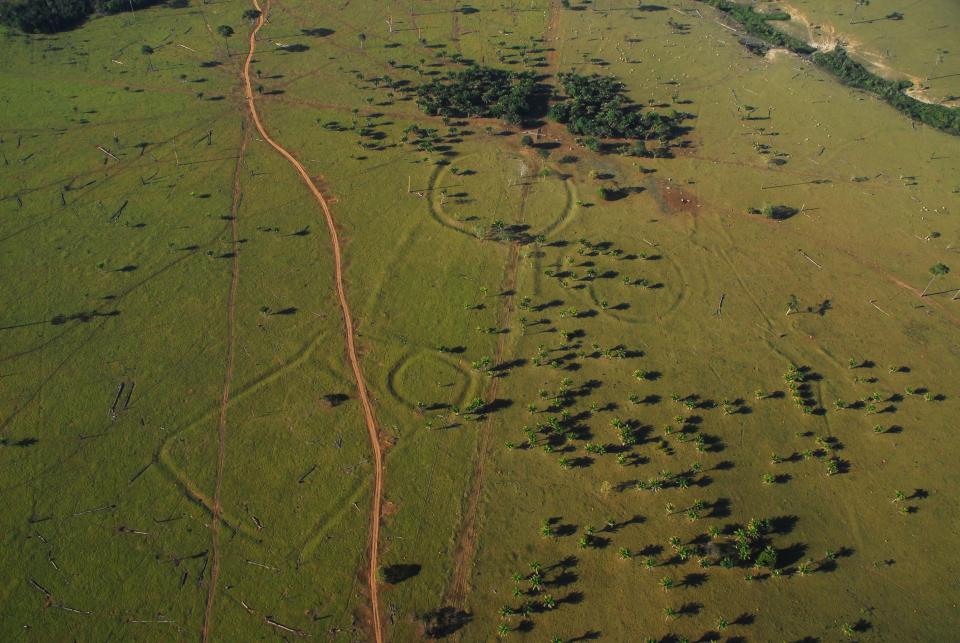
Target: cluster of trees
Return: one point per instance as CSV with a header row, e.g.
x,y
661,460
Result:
x,y
50,16
856,75
756,25
595,106
480,91
591,106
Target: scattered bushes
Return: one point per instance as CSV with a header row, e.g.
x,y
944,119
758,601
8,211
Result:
x,y
856,75
50,16
480,91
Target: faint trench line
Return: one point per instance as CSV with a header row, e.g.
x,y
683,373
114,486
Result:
x,y
183,482
117,170
467,378
324,525
162,453
73,206
568,213
753,299
268,377
399,251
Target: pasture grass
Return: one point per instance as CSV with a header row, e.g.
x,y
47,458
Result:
x,y
144,301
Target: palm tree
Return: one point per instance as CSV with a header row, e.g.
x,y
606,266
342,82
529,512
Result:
x,y
147,51
793,305
937,270
536,582
225,31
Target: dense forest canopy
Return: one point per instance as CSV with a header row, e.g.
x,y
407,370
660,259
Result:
x,y
50,16
596,106
593,106
480,91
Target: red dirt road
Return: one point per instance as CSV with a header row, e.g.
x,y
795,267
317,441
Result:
x,y
375,509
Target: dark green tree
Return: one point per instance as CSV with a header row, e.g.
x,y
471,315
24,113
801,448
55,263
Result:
x,y
225,31
937,270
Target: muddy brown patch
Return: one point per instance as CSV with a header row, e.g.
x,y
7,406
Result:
x,y
675,199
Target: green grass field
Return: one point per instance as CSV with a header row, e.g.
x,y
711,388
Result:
x,y
134,188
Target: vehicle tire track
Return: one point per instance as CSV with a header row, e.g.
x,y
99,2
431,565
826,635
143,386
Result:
x,y
466,543
216,508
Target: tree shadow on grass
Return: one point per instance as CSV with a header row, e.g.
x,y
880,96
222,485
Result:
x,y
400,572
21,443
317,32
443,622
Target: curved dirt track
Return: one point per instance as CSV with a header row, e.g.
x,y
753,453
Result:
x,y
364,396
